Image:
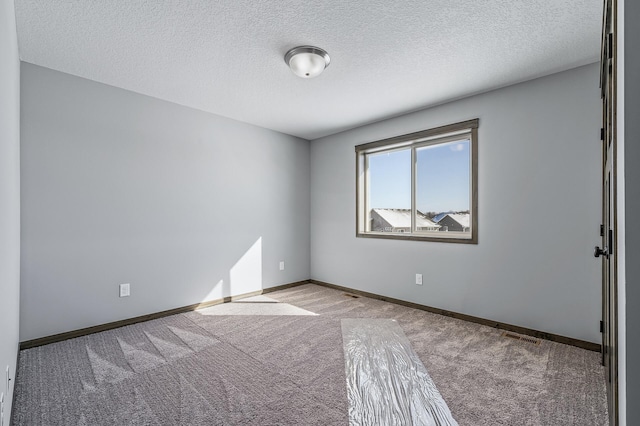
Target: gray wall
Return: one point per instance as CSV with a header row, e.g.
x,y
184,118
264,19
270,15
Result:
x,y
632,206
122,188
9,198
539,211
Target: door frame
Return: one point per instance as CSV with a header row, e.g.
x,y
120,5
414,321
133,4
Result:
x,y
609,325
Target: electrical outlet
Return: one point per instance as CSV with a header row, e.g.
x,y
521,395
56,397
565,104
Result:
x,y
282,265
419,279
125,290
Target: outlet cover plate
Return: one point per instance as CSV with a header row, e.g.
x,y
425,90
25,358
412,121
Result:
x,y
282,265
419,279
125,290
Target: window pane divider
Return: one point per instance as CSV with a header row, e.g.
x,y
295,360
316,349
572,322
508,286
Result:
x,y
414,159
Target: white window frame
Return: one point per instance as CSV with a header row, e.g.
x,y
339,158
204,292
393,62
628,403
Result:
x,y
413,141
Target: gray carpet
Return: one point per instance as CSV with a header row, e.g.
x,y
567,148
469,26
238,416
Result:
x,y
260,364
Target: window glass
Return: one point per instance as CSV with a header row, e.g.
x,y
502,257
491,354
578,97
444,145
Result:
x,y
390,191
443,185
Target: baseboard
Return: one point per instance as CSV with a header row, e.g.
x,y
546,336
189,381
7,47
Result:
x,y
495,324
117,324
13,394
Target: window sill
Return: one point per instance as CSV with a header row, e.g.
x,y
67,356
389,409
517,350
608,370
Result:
x,y
417,237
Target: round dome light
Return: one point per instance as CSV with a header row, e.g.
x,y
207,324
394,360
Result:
x,y
307,61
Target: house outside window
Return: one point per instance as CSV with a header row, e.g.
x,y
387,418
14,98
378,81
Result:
x,y
420,186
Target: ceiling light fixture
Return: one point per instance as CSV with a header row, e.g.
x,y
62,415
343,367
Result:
x,y
307,61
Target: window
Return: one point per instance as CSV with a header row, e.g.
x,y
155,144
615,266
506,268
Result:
x,y
420,186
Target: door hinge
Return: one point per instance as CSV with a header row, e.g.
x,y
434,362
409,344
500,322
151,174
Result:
x,y
601,326
602,230
601,133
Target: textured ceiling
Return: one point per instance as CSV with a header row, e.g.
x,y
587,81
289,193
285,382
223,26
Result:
x,y
387,57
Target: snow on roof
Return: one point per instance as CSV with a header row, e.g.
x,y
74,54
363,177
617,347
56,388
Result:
x,y
462,219
401,218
